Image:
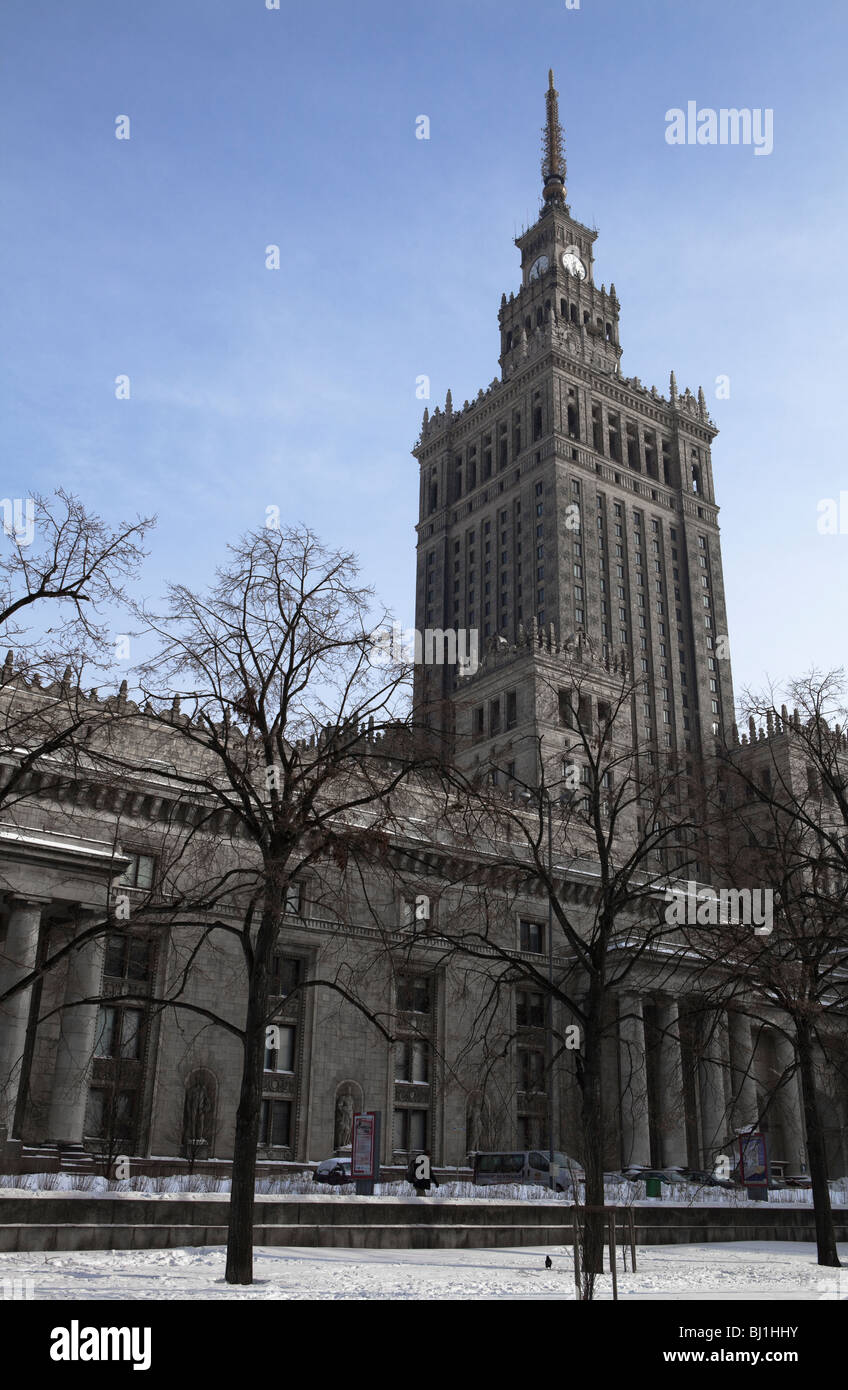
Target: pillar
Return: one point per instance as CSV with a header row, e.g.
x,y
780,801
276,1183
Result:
x,y
715,1122
75,1048
789,1110
635,1119
672,1104
745,1104
18,956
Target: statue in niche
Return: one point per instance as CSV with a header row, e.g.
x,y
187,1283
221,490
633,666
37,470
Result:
x,y
344,1121
197,1113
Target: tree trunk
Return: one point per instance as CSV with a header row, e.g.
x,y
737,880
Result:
x,y
592,1113
243,1188
816,1152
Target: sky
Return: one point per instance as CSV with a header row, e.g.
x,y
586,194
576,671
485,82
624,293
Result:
x,y
295,387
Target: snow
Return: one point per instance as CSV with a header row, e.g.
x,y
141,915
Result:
x,y
763,1270
303,1187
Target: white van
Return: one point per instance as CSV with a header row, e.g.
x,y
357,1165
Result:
x,y
526,1166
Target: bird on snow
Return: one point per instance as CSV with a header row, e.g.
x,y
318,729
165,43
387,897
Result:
x,y
548,1262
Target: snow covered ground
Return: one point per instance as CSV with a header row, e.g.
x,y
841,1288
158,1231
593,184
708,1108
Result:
x,y
763,1270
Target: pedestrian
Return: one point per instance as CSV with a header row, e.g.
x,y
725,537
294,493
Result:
x,y
419,1173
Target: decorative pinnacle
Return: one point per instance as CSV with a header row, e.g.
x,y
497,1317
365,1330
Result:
x,y
553,147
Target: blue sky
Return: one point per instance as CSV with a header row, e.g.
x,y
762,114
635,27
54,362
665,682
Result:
x,y
296,387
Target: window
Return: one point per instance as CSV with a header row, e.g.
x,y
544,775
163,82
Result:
x,y
531,1069
413,994
139,872
511,709
285,975
529,1009
410,1130
412,1061
129,958
281,1058
119,1033
275,1123
531,936
110,1114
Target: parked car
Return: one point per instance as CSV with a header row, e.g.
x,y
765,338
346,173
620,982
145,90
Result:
x,y
333,1170
526,1166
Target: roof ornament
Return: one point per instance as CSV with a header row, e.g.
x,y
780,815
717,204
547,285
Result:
x,y
553,147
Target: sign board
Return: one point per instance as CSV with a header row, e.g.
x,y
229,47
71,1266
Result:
x,y
365,1147
753,1160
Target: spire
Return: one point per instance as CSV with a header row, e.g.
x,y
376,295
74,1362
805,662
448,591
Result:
x,y
553,147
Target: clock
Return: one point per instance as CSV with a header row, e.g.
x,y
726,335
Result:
x,y
538,267
573,264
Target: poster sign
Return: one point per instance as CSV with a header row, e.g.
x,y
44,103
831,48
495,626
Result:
x,y
753,1160
364,1149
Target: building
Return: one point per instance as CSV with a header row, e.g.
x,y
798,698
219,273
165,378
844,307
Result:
x,y
569,514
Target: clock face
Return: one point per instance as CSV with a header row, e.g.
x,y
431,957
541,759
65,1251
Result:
x,y
537,267
573,264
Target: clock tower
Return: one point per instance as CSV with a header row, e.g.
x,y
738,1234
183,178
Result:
x,y
567,516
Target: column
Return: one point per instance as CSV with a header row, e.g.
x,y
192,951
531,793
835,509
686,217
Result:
x,y
17,958
745,1105
75,1048
715,1123
672,1101
633,1077
789,1109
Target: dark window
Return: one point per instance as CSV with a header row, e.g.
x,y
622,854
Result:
x,y
128,957
566,711
110,1114
275,1123
531,1069
139,872
532,936
412,1062
119,1033
413,994
410,1128
530,1009
285,975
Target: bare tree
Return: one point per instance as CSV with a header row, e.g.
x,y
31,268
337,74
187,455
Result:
x,y
606,826
60,567
784,811
297,744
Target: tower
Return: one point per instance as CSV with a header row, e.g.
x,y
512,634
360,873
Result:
x,y
569,510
